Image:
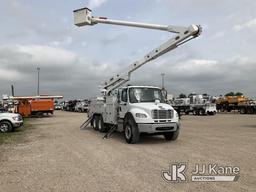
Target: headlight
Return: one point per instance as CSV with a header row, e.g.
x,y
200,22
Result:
x,y
16,118
140,115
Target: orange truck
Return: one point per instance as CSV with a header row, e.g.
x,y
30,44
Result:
x,y
35,105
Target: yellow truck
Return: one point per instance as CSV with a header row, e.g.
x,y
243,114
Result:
x,y
240,103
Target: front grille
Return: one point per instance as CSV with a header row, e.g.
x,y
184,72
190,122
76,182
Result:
x,y
162,114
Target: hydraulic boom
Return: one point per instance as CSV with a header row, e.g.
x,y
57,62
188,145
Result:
x,y
183,34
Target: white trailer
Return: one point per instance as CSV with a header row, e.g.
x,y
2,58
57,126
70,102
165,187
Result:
x,y
135,110
204,109
202,105
196,103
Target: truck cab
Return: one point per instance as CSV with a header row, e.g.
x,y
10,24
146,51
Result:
x,y
136,110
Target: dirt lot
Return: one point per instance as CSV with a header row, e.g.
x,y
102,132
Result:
x,y
57,156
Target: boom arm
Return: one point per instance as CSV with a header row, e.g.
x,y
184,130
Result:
x,y
183,34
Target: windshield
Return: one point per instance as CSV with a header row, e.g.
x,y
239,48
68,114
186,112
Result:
x,y
138,95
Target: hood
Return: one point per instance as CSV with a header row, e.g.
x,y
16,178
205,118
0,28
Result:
x,y
152,106
9,114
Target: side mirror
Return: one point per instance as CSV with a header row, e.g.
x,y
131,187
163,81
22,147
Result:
x,y
164,92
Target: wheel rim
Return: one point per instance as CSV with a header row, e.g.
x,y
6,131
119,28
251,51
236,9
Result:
x,y
94,122
4,127
128,132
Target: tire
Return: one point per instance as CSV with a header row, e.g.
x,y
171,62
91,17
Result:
x,y
5,127
172,136
131,132
101,126
201,112
95,122
249,111
242,110
39,114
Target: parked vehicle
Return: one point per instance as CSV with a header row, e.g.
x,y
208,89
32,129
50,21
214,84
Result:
x,y
197,104
35,105
57,106
204,109
181,105
10,121
70,105
247,107
64,105
81,106
2,109
240,103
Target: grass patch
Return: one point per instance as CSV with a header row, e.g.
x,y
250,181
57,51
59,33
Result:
x,y
18,135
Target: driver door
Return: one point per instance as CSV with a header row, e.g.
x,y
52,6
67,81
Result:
x,y
123,102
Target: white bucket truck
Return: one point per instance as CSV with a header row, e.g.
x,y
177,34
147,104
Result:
x,y
135,110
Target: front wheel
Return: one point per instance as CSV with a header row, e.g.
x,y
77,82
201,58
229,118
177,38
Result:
x,y
5,127
131,132
172,135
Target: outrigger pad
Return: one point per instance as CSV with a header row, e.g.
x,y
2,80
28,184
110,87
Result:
x,y
110,132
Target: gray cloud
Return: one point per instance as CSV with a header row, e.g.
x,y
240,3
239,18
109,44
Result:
x,y
65,72
61,70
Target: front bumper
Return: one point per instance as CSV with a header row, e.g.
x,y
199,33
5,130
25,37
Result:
x,y
17,124
158,127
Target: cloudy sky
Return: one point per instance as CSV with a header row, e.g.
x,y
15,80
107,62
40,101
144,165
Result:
x,y
75,61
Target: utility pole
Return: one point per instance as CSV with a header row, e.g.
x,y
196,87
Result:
x,y
162,74
12,90
38,73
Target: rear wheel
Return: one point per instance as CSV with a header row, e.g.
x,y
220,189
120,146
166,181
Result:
x,y
39,114
95,122
5,127
101,126
131,132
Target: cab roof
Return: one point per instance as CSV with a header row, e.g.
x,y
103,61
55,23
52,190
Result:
x,y
141,86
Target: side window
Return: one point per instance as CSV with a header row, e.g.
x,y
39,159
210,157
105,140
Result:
x,y
124,95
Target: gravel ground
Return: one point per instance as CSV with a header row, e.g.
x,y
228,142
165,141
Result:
x,y
57,156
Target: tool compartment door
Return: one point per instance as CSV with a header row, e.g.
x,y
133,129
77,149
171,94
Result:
x,y
42,105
